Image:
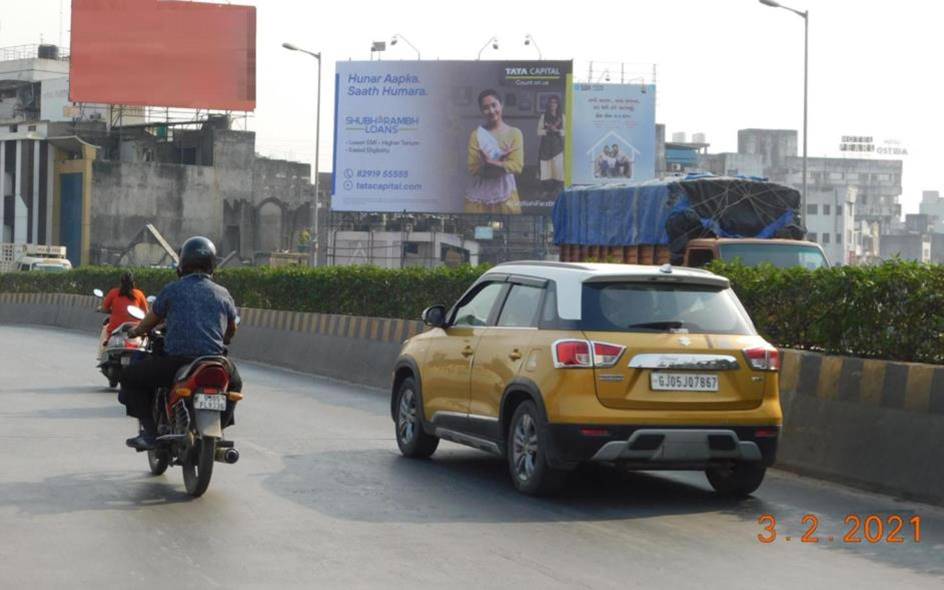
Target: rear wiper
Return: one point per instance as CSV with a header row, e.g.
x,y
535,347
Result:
x,y
659,325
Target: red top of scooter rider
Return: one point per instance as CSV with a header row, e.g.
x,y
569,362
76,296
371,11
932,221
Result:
x,y
117,300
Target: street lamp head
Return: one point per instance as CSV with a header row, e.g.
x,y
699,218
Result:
x,y
290,47
495,44
393,41
771,3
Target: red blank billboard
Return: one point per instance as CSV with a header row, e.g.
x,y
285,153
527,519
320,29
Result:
x,y
163,53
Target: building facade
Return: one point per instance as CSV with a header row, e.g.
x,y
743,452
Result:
x,y
92,177
932,205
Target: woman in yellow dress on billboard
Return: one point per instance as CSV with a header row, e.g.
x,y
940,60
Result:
x,y
496,155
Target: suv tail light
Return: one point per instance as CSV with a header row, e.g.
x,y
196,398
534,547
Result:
x,y
763,358
605,354
570,354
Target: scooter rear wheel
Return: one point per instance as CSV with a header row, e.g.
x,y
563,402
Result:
x,y
158,460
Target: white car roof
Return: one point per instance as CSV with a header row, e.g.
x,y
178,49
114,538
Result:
x,y
570,276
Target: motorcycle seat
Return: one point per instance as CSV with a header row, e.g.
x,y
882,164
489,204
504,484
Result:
x,y
185,371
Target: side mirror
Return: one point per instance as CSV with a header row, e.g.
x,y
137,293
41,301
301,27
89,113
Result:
x,y
435,316
238,320
151,299
98,293
136,312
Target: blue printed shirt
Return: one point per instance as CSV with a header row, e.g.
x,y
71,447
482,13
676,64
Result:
x,y
196,311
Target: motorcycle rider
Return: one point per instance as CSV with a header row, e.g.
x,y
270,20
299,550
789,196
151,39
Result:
x,y
200,318
116,304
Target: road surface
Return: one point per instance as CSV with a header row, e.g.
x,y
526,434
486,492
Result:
x,y
321,498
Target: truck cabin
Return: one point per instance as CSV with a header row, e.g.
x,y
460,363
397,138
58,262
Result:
x,y
754,252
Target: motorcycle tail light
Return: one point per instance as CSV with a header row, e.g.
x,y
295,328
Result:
x,y
212,376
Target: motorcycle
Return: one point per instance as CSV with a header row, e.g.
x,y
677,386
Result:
x,y
190,416
119,349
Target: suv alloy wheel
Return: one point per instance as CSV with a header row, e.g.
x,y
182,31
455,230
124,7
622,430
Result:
x,y
413,441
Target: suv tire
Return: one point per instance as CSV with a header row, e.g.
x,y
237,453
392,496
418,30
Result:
x,y
413,441
738,480
526,449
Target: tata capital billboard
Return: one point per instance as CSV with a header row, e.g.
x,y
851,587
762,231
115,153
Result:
x,y
449,136
612,137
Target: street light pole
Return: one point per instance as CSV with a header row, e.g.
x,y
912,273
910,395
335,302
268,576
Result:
x,y
805,14
314,210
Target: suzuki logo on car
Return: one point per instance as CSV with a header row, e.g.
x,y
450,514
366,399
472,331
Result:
x,y
685,341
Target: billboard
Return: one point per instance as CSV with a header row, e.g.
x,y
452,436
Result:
x,y
449,136
612,134
163,53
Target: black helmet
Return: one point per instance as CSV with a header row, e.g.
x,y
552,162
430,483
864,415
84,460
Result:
x,y
198,254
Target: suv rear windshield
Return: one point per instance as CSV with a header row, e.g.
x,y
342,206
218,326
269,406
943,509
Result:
x,y
648,307
779,255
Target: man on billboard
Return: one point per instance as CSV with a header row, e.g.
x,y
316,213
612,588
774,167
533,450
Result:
x,y
496,155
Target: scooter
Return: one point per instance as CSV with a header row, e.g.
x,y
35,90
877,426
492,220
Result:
x,y
119,349
190,416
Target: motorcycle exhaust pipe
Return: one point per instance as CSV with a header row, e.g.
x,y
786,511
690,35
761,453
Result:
x,y
229,456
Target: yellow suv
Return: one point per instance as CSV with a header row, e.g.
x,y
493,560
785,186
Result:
x,y
554,364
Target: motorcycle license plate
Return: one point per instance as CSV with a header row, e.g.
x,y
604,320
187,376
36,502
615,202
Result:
x,y
215,403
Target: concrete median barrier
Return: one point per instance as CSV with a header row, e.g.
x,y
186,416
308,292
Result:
x,y
359,350
356,349
873,424
870,423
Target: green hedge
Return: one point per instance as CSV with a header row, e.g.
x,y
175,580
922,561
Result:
x,y
894,311
353,290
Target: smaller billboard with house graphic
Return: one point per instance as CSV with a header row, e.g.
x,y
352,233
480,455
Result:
x,y
613,134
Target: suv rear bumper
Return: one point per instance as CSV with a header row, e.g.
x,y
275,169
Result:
x,y
657,447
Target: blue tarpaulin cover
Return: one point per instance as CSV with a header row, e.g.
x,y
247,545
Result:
x,y
676,210
614,216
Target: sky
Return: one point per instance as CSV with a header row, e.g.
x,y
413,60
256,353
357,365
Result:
x,y
721,65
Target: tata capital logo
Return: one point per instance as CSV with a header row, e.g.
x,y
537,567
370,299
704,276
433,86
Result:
x,y
532,71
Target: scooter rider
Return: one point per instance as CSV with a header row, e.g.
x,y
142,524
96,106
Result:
x,y
200,319
116,303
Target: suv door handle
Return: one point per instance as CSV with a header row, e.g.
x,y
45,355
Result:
x,y
467,351
515,355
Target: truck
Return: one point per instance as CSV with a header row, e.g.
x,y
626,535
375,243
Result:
x,y
33,257
686,221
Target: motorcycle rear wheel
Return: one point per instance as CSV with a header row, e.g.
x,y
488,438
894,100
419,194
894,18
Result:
x,y
198,465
